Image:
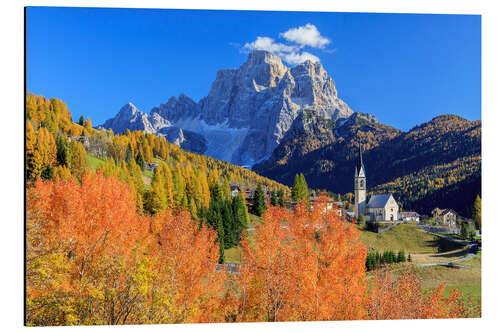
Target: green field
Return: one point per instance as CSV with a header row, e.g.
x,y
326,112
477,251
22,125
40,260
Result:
x,y
466,280
474,291
409,238
94,162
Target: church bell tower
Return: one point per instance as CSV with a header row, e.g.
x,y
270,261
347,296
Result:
x,y
359,186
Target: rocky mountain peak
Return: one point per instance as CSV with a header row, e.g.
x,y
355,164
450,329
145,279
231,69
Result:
x,y
261,70
248,110
129,109
260,57
129,117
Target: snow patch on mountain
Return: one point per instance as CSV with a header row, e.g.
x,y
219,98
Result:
x,y
223,142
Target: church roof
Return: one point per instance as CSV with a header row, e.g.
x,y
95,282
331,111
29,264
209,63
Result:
x,y
360,167
379,200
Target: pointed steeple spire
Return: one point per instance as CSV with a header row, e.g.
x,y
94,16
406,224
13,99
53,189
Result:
x,y
360,168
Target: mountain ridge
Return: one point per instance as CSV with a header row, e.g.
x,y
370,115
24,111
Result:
x,y
252,107
392,158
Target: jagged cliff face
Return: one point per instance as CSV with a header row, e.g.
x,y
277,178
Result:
x,y
248,110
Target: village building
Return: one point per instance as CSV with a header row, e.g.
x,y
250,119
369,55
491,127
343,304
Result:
x,y
235,190
380,207
150,166
336,206
445,217
409,216
83,139
359,187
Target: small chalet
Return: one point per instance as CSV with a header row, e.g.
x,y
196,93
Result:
x,y
235,190
83,139
445,217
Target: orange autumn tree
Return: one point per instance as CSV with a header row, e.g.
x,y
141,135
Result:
x,y
306,264
187,288
80,241
92,260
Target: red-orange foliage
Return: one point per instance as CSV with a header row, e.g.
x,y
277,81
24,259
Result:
x,y
93,220
186,259
80,239
305,265
92,260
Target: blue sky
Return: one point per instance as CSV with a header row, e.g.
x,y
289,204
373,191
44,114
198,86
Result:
x,y
403,68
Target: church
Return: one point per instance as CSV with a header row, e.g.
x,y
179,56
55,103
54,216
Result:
x,y
380,207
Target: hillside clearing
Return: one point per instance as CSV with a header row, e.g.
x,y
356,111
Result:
x,y
409,238
94,162
466,280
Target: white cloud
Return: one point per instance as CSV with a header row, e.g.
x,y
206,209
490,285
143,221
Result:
x,y
268,44
307,35
291,53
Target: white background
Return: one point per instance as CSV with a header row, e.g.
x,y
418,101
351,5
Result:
x,y
11,163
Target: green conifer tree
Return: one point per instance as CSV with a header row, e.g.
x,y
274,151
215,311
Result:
x,y
63,153
229,224
281,198
240,216
259,202
401,256
139,159
476,212
274,198
296,188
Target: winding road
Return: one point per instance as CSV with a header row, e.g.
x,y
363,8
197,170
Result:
x,y
452,263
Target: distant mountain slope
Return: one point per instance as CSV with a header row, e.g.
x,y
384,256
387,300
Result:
x,y
452,185
389,154
325,151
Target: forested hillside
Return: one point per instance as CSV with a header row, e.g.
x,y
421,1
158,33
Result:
x,y
160,175
443,152
51,152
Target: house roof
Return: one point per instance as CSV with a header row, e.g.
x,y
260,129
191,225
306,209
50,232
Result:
x,y
441,212
379,200
446,211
